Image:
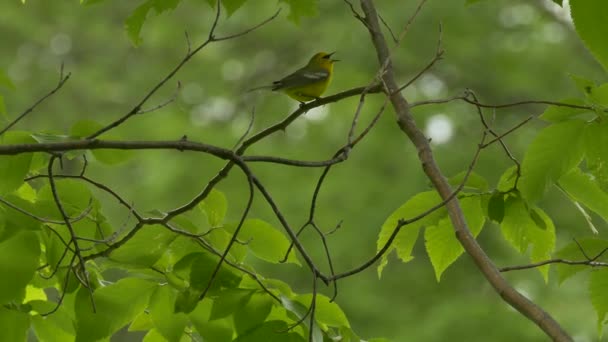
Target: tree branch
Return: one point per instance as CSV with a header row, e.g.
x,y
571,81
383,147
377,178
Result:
x,y
408,126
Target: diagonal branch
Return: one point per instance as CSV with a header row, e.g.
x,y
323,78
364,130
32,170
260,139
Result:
x,y
62,80
408,126
190,53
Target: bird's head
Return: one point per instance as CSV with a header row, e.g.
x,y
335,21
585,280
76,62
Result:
x,y
322,59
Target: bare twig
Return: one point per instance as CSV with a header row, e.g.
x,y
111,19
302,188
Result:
x,y
74,240
60,84
191,52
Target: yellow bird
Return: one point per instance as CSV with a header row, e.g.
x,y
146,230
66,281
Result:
x,y
309,82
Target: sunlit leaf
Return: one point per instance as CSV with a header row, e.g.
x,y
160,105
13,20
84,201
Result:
x,y
253,313
115,306
327,313
271,331
598,283
169,324
407,235
555,151
265,241
596,153
229,301
14,168
523,228
574,252
14,324
474,181
584,189
146,247
440,239
589,18
19,257
555,113
542,240
215,207
218,330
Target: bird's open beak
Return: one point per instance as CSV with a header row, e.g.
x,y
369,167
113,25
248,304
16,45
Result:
x,y
333,60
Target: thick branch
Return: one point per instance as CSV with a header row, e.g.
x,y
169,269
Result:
x,y
408,126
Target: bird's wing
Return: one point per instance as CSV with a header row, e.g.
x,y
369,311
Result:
x,y
301,77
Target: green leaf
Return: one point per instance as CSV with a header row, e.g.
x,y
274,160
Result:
x,y
440,240
555,151
326,313
3,113
589,18
228,301
591,247
542,240
136,20
516,223
169,324
407,235
271,331
19,258
219,238
300,311
599,95
215,207
198,268
219,330
596,153
496,207
507,179
75,198
253,313
84,128
146,247
13,324
584,85
474,181
598,283
57,327
232,5
5,81
301,8
143,322
584,189
115,306
555,113
14,168
264,241
522,227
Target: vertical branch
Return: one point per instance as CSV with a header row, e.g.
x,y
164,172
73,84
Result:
x,y
77,251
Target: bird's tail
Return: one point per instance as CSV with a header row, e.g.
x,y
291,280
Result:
x,y
260,88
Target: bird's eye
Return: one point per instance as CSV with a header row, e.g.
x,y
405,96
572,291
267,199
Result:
x,y
326,57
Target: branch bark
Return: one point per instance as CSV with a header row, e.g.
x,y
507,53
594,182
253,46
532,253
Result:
x,y
408,126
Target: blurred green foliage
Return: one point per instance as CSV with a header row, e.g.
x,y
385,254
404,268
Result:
x,y
503,50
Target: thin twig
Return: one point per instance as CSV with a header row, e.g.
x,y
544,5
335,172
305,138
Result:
x,y
59,85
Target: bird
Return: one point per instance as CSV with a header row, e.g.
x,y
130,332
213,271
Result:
x,y
309,82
